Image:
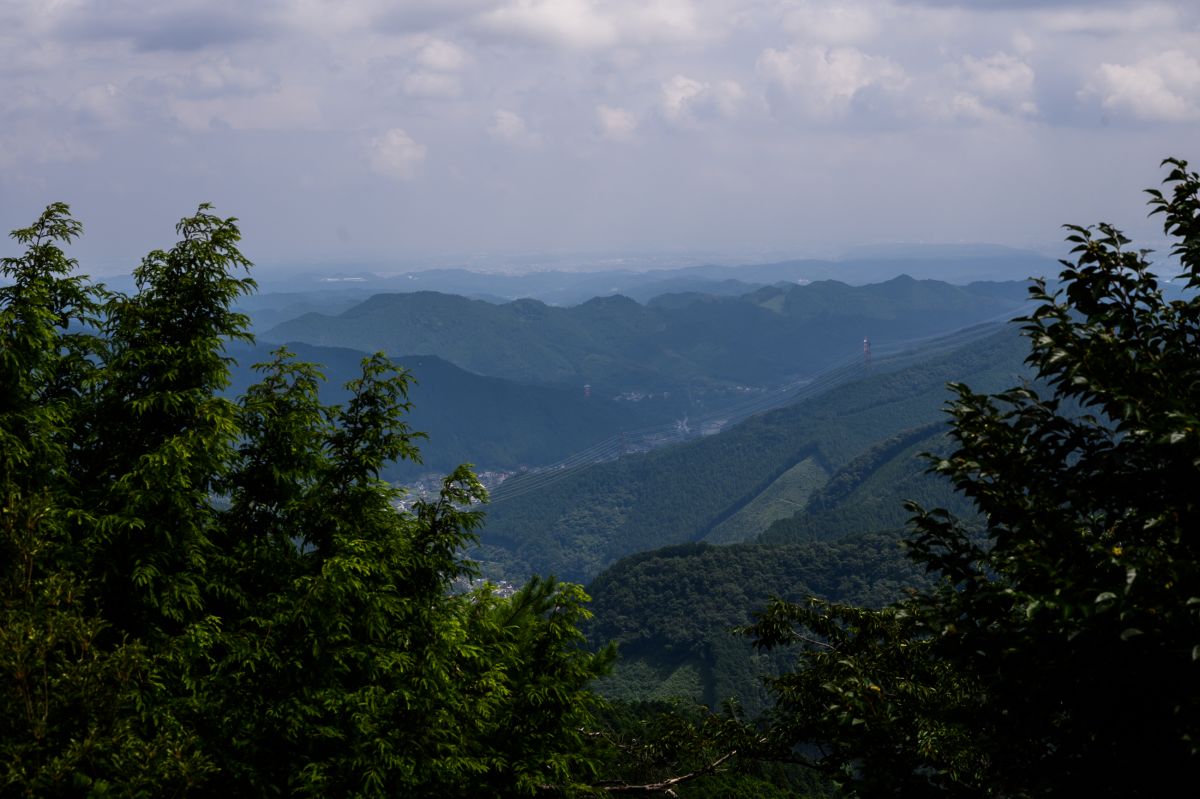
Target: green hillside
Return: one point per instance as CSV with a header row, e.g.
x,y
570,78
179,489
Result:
x,y
582,523
672,611
780,500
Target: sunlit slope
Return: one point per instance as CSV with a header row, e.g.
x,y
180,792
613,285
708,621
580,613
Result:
x,y
580,524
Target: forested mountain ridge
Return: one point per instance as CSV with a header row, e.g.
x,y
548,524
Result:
x,y
673,611
494,423
577,526
616,344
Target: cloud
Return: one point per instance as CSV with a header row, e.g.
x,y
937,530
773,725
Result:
x,y
659,21
24,150
220,76
1163,88
441,55
823,82
593,25
677,94
213,77
1002,81
431,84
288,109
396,154
101,104
616,124
426,15
1094,20
992,5
509,127
573,24
686,101
825,22
164,27
429,67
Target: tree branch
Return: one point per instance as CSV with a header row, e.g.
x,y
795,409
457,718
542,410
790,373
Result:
x,y
666,786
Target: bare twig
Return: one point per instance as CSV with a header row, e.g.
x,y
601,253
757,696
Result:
x,y
666,785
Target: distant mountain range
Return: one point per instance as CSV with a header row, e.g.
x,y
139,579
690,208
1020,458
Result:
x,y
958,264
674,342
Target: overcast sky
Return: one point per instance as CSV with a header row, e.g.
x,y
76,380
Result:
x,y
391,132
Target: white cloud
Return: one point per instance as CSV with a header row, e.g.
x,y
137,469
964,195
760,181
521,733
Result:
x,y
659,20
215,77
565,23
601,24
430,67
1001,80
823,81
219,75
1134,17
677,93
441,55
685,100
1165,87
290,108
726,96
1023,43
961,106
101,104
616,124
508,126
431,84
828,23
396,154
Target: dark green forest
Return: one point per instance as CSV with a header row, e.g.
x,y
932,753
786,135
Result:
x,y
674,611
991,589
216,597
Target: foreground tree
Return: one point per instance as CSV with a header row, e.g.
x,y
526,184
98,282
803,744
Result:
x,y
1060,651
205,596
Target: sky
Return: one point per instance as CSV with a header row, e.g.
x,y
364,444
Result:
x,y
483,132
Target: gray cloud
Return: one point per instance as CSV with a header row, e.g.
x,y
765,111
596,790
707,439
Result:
x,y
422,16
157,28
1009,5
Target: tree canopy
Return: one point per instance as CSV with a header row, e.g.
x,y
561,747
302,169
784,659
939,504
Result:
x,y
221,597
1060,649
